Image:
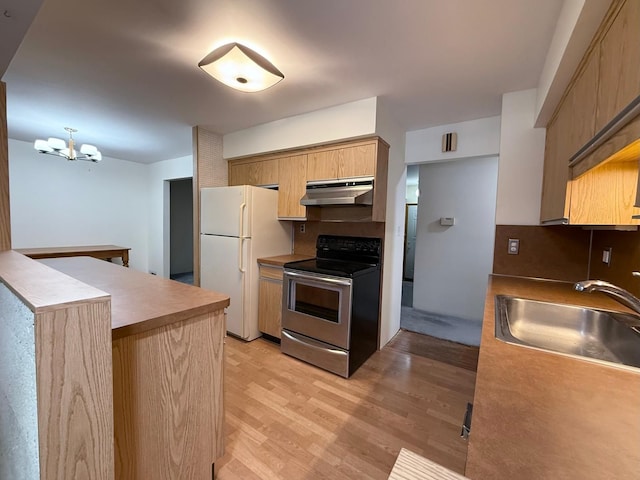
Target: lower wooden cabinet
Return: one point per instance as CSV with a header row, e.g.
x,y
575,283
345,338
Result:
x,y
270,300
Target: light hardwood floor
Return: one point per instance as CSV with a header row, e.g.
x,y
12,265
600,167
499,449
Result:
x,y
289,420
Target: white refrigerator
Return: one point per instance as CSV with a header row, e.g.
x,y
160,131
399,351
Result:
x,y
239,225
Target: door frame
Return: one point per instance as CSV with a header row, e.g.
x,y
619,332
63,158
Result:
x,y
404,253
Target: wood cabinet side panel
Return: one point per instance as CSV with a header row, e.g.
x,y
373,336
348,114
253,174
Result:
x,y
5,217
75,399
619,63
379,209
270,307
168,397
292,172
555,178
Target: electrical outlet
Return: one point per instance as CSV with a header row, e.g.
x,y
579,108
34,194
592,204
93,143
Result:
x,y
302,227
513,246
606,256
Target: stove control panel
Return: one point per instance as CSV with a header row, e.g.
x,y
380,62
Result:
x,y
328,246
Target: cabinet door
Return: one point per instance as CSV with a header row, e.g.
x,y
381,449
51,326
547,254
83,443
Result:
x,y
583,104
263,172
358,161
240,174
292,173
270,301
323,165
619,63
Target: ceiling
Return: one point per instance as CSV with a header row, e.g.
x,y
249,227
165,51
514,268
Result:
x,y
125,73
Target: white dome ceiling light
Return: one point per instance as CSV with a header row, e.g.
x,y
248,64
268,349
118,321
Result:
x,y
241,68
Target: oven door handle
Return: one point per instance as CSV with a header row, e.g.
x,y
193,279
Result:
x,y
335,281
312,345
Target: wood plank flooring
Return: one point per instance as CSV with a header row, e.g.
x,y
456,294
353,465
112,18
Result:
x,y
289,420
452,353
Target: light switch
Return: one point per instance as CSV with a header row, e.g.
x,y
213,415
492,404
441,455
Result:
x,y
513,246
447,221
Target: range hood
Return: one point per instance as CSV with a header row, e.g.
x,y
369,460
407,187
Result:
x,y
331,193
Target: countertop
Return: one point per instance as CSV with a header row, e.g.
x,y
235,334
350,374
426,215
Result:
x,y
139,301
540,415
280,260
41,288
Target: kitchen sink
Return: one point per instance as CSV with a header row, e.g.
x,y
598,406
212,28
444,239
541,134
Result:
x,y
590,334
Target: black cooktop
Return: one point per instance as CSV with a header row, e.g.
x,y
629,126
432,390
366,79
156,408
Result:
x,y
336,268
342,256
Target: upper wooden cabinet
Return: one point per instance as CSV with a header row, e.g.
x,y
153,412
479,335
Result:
x,y
606,81
619,63
293,169
292,172
344,162
572,126
260,172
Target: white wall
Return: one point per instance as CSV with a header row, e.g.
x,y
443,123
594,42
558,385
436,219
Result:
x,y
452,263
352,119
159,222
521,161
476,138
388,128
55,202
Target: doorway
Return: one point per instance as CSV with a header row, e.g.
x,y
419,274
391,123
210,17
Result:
x,y
453,256
410,229
181,230
410,232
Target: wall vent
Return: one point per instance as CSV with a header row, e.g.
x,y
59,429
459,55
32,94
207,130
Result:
x,y
449,142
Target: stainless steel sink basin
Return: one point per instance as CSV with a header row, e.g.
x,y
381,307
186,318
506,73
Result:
x,y
587,333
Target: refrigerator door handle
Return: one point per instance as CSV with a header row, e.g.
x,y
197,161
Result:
x,y
240,245
243,206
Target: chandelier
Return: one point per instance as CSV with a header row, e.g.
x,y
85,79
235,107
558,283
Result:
x,y
57,146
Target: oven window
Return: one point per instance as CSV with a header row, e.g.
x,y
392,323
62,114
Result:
x,y
317,302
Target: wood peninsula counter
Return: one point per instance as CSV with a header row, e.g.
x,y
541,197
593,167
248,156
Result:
x,y
167,370
540,415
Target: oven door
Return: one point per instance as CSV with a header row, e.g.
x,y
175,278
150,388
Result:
x,y
318,306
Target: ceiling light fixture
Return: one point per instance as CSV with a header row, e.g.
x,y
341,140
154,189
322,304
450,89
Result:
x,y
241,68
57,146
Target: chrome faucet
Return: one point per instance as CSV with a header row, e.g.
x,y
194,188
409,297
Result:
x,y
617,293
